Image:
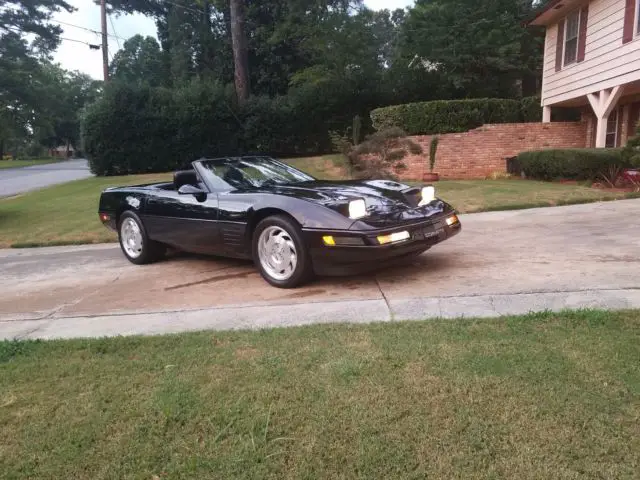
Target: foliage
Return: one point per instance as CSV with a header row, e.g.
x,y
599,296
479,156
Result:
x,y
314,66
139,129
631,151
381,154
433,147
531,110
480,47
326,61
444,116
611,175
570,164
140,61
26,38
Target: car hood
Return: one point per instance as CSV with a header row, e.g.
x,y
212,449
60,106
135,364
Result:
x,y
388,202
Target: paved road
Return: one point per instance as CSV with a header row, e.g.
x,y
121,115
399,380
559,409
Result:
x,y
501,263
14,181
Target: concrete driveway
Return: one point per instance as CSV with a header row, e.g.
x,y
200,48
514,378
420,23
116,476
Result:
x,y
502,263
14,181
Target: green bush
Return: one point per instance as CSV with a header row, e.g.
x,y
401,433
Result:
x,y
446,116
631,151
530,109
141,129
570,164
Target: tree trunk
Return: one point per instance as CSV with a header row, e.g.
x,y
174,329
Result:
x,y
529,84
239,45
1,148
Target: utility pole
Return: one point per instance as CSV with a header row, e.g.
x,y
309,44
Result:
x,y
105,46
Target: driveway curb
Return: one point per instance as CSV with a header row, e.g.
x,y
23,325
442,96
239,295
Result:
x,y
352,311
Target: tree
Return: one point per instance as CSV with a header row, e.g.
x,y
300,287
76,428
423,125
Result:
x,y
21,75
481,46
240,58
140,61
68,94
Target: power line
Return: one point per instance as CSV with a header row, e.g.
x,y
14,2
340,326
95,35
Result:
x,y
114,31
20,32
91,45
97,32
184,7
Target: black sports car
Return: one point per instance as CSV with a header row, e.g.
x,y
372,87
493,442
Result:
x,y
289,223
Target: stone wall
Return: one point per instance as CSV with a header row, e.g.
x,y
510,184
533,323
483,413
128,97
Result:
x,y
483,151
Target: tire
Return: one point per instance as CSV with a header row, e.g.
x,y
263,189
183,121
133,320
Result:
x,y
138,252
284,261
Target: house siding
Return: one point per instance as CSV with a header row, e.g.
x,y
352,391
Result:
x,y
607,62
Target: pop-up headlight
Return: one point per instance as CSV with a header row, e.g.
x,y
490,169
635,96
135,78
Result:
x,y
357,209
428,195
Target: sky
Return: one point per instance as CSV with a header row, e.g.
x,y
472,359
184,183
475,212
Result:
x,y
72,55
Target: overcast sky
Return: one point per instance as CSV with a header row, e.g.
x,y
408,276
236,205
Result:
x,y
77,56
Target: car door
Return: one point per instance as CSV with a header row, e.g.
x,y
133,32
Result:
x,y
184,220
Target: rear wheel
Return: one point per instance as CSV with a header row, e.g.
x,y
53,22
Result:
x,y
134,241
279,252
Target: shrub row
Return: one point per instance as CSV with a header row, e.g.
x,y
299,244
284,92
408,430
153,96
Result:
x,y
134,129
569,164
446,116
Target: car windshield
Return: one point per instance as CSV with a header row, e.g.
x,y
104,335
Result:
x,y
254,172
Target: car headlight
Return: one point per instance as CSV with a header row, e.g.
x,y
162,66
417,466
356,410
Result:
x,y
357,209
428,195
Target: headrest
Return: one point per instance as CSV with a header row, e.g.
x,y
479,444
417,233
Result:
x,y
185,177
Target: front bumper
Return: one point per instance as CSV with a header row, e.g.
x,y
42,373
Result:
x,y
370,255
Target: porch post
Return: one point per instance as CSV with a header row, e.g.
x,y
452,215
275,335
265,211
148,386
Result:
x,y
602,104
546,114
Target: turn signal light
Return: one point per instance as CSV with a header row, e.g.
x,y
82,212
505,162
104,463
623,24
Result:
x,y
452,220
104,217
393,237
328,240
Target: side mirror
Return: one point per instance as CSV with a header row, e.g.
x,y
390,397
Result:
x,y
198,193
190,190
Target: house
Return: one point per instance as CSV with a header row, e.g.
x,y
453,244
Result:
x,y
592,61
62,151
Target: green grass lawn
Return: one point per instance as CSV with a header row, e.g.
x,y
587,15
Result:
x,y
63,214
27,163
542,396
67,214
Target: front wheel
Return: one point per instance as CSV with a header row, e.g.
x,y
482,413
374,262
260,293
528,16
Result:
x,y
279,252
135,243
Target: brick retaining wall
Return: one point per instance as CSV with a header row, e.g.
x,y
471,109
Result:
x,y
482,151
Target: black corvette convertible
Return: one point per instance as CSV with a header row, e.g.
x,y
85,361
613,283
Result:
x,y
289,223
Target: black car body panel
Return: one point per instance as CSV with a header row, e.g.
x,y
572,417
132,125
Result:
x,y
202,212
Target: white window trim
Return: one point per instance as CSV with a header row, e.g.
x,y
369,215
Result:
x,y
564,40
617,110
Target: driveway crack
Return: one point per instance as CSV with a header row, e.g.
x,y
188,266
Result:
x,y
386,300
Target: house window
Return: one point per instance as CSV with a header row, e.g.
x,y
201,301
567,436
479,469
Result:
x,y
612,129
571,38
637,16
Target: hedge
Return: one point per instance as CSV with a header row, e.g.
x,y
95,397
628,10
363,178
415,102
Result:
x,y
134,129
447,116
569,164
